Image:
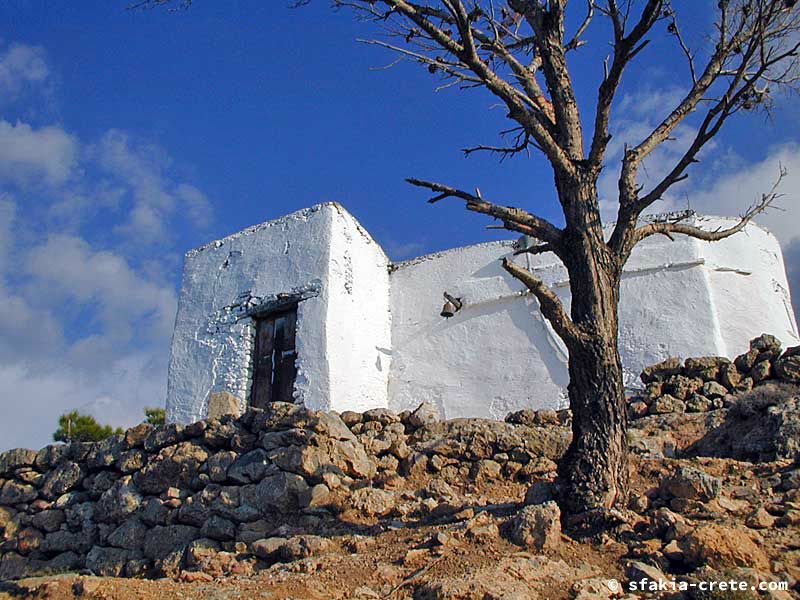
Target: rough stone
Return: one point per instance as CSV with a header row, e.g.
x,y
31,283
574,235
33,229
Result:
x,y
712,389
222,403
761,371
119,502
745,362
163,436
161,541
787,368
537,527
766,343
719,546
282,492
48,520
373,502
108,562
14,492
218,465
174,465
760,519
131,461
692,484
251,467
12,460
62,479
662,370
667,404
129,536
424,414
217,528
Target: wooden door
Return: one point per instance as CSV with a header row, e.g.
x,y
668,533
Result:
x,y
274,358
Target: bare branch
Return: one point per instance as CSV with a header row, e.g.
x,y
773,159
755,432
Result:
x,y
515,219
549,303
675,224
576,41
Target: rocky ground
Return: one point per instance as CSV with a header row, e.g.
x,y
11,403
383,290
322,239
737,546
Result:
x,y
459,509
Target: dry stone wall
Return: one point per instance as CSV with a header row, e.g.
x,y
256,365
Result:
x,y
156,500
711,382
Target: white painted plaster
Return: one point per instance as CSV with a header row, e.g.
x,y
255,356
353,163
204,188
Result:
x,y
359,322
371,334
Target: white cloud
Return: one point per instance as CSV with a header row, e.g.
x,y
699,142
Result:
x,y
66,267
157,198
29,155
21,67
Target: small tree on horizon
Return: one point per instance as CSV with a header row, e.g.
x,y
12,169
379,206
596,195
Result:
x,y
75,427
154,415
517,51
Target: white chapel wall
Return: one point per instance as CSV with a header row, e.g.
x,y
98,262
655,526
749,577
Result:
x,y
222,281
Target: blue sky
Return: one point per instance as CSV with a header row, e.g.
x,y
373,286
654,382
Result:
x,y
127,138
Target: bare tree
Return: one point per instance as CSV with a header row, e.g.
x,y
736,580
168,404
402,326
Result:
x,y
517,50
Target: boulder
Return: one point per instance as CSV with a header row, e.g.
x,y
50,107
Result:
x,y
706,368
722,547
51,456
222,403
119,502
712,389
745,362
537,527
173,466
62,479
761,371
14,492
729,376
424,414
129,536
766,343
384,416
787,367
691,484
131,461
667,404
251,467
373,502
161,541
12,460
218,465
282,492
47,520
217,528
163,436
662,370
108,562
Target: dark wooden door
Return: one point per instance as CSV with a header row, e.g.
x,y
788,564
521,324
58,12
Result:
x,y
274,358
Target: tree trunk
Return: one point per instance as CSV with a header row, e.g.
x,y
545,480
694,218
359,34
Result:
x,y
593,475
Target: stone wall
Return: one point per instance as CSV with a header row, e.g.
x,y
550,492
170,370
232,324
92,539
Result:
x,y
711,382
155,501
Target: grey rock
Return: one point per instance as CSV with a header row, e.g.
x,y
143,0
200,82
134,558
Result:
x,y
331,425
217,528
48,520
161,541
667,404
108,562
745,362
283,492
153,512
130,535
787,368
537,527
67,541
729,376
220,432
14,492
80,515
712,389
251,467
131,461
174,466
424,414
105,453
136,436
766,343
163,436
61,480
761,371
119,502
101,482
271,440
11,460
384,416
350,417
373,502
218,464
706,368
662,370
692,484
51,456
698,403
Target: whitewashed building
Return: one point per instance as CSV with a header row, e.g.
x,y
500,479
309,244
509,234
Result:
x,y
309,307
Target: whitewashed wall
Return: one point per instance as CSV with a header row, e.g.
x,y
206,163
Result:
x,y
370,334
359,324
682,298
